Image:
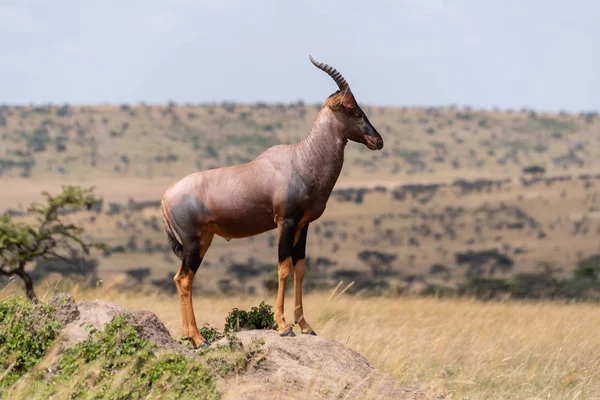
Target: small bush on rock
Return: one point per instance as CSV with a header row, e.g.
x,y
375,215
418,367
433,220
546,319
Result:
x,y
260,317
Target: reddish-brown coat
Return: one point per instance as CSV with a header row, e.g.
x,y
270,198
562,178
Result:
x,y
287,186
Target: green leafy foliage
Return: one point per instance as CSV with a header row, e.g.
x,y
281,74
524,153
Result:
x,y
117,341
236,320
38,140
51,237
210,333
588,271
117,363
27,330
260,317
21,242
177,375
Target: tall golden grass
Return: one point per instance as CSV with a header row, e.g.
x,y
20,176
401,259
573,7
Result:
x,y
465,349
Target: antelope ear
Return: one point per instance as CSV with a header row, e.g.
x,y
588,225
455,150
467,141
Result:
x,y
335,106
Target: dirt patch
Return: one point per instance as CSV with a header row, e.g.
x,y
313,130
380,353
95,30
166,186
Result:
x,y
292,367
66,309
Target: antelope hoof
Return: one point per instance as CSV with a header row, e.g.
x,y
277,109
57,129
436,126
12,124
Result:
x,y
288,332
311,332
203,345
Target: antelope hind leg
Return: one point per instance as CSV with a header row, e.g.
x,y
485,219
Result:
x,y
183,282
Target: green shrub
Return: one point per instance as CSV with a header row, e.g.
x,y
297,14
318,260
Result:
x,y
27,330
118,340
63,111
38,140
486,287
210,333
117,363
260,317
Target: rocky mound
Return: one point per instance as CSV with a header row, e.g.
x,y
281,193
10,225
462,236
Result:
x,y
301,367
79,317
312,367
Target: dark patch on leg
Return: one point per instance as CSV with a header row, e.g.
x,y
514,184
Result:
x,y
299,251
185,215
296,189
191,255
293,213
311,333
194,267
286,239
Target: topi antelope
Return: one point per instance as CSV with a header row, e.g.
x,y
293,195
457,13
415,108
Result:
x,y
286,187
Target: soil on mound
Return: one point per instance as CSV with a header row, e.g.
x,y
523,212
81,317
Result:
x,y
298,367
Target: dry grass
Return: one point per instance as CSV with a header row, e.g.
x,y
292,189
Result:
x,y
465,349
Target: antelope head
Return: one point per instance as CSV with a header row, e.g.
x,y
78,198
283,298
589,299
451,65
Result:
x,y
355,124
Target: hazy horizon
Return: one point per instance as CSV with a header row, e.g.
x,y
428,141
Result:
x,y
506,55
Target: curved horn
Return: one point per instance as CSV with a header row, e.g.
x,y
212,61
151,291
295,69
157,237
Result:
x,y
335,75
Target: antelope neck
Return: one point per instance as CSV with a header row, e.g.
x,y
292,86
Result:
x,y
319,157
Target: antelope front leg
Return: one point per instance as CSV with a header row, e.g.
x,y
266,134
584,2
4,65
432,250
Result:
x,y
287,231
299,261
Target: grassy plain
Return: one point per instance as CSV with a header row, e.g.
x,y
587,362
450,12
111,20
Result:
x,y
427,231
132,153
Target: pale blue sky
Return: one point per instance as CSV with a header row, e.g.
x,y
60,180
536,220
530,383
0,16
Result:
x,y
506,53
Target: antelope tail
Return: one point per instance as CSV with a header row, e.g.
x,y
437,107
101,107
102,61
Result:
x,y
175,245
